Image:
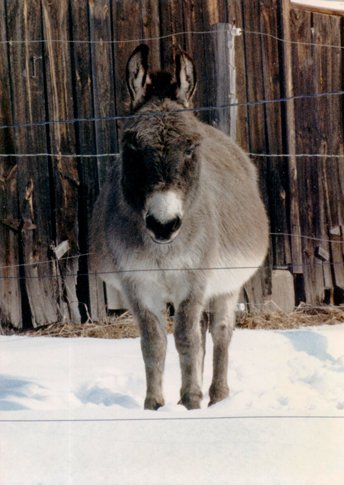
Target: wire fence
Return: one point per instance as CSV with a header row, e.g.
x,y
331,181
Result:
x,y
163,270
85,255
116,154
144,114
99,119
235,31
167,418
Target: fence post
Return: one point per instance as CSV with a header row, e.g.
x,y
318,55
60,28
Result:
x,y
224,75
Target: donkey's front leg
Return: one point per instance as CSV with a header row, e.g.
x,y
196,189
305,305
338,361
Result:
x,y
153,345
222,323
188,338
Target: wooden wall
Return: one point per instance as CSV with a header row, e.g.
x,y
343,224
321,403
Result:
x,y
59,64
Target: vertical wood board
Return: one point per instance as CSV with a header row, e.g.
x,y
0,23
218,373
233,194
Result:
x,y
10,299
27,78
85,145
65,178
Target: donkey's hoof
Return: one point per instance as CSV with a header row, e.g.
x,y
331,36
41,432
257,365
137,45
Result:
x,y
153,404
191,401
218,394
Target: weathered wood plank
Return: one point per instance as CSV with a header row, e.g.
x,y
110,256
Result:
x,y
295,229
102,82
10,300
104,65
328,77
211,13
171,23
203,17
86,145
277,168
307,141
151,30
62,141
34,185
260,285
255,81
215,14
127,27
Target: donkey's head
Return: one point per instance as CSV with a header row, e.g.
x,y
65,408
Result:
x,y
160,161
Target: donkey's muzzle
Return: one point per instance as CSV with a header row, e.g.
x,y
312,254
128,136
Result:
x,y
163,232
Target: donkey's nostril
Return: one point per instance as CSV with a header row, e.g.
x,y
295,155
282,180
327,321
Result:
x,y
175,224
163,231
152,223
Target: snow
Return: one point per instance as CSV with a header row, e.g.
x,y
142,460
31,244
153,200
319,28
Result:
x,y
71,413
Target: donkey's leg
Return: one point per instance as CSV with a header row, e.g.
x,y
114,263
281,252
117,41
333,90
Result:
x,y
153,345
222,323
188,338
204,327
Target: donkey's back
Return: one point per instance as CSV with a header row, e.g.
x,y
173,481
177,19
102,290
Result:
x,y
179,221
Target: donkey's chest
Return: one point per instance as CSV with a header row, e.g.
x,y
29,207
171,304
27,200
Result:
x,y
161,280
158,288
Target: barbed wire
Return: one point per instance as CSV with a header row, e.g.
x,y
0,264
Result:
x,y
201,109
236,31
116,154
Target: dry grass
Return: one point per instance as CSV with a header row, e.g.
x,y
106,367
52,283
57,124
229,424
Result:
x,y
123,326
303,316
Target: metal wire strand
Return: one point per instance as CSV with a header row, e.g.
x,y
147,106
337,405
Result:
x,y
237,31
116,154
181,110
168,270
83,255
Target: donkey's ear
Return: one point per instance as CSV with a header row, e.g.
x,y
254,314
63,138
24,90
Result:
x,y
137,73
186,77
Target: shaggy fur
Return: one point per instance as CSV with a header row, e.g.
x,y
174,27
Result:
x,y
222,239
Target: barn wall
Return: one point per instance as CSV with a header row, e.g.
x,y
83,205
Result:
x,y
74,74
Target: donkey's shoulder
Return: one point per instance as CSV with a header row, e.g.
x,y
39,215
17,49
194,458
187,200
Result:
x,y
224,156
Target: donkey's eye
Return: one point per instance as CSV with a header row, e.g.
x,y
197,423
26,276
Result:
x,y
132,147
189,152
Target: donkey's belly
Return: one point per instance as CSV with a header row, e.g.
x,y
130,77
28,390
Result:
x,y
228,277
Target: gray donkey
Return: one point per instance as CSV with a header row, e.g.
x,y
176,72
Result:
x,y
178,221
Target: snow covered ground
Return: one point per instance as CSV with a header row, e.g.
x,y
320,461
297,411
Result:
x,y
71,413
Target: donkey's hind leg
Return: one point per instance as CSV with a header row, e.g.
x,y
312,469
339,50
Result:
x,y
153,345
222,323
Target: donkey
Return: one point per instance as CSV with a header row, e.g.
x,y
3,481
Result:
x,y
179,221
